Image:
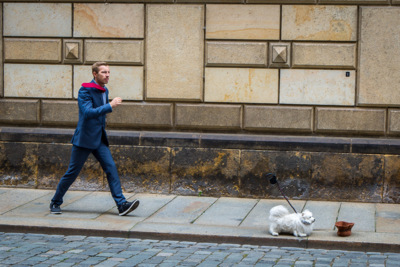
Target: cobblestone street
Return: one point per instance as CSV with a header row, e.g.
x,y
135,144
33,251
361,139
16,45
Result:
x,y
58,250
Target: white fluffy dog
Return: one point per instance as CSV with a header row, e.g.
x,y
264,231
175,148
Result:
x,y
281,221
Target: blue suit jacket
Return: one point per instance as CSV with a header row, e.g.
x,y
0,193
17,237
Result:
x,y
92,118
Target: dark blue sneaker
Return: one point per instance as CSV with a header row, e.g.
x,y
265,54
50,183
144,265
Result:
x,y
54,208
128,207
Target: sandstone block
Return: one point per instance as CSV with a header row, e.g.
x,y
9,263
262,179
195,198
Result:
x,y
210,1
214,172
351,120
53,161
348,176
381,2
32,80
394,121
174,65
392,179
317,87
18,164
293,168
143,169
59,112
125,81
296,119
236,53
241,85
141,115
378,72
112,20
19,111
32,50
281,1
319,23
1,55
127,52
37,19
329,55
73,51
245,22
208,116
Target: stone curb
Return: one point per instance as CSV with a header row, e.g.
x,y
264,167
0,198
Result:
x,y
282,241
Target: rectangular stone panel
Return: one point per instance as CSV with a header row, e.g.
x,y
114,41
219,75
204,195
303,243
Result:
x,y
208,116
319,23
125,81
236,53
59,112
109,20
37,19
174,52
143,169
141,115
53,161
359,2
1,54
293,169
33,80
272,118
351,120
241,85
18,164
32,50
281,1
19,111
349,177
213,172
317,87
391,187
114,52
394,121
244,22
320,55
379,76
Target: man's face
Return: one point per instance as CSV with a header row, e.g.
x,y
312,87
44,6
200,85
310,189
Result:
x,y
102,76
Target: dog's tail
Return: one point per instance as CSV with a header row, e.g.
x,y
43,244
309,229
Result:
x,y
278,212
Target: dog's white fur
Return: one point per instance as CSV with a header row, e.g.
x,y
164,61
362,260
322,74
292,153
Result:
x,y
298,224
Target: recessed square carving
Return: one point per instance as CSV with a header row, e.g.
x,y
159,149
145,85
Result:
x,y
279,55
72,51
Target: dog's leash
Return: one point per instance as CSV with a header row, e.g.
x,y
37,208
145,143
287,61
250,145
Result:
x,y
273,180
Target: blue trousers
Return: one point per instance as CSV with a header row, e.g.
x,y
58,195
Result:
x,y
79,156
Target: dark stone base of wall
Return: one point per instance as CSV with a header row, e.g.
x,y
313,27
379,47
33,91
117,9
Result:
x,y
312,168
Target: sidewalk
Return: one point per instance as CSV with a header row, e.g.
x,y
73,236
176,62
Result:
x,y
201,219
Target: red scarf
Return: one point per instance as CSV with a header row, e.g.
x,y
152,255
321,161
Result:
x,y
93,85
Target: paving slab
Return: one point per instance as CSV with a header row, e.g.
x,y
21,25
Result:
x,y
258,216
361,214
91,206
40,206
149,205
227,211
183,209
387,218
325,214
13,197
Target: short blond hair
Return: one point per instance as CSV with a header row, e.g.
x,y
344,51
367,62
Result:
x,y
95,66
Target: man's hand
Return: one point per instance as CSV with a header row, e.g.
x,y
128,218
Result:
x,y
115,102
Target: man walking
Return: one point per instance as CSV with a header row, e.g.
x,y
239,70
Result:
x,y
90,137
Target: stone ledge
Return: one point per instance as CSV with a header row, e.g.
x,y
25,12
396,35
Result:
x,y
210,140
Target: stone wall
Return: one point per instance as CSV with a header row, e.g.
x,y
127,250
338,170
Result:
x,y
311,67
247,68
